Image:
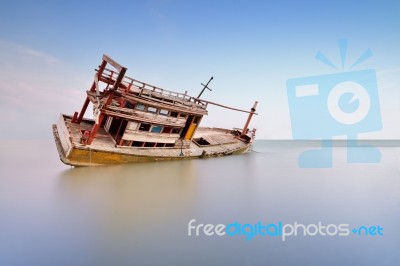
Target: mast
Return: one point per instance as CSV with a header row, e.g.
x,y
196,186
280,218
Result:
x,y
253,110
205,87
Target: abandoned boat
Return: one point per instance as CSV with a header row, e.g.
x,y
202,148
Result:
x,y
137,122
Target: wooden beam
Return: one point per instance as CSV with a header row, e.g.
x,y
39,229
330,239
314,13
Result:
x,y
165,105
226,107
102,67
97,125
83,110
111,81
142,119
112,62
244,131
96,84
119,78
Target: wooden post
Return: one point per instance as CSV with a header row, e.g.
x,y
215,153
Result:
x,y
101,69
94,130
97,78
93,88
253,110
101,117
73,120
83,110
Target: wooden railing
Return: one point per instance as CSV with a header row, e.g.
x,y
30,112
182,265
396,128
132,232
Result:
x,y
138,87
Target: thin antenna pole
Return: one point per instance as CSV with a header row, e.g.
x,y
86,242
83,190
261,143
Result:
x,y
205,87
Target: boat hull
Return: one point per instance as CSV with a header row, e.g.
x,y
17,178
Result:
x,y
87,156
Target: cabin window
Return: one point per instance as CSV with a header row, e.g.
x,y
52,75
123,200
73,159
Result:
x,y
161,145
169,145
140,107
174,114
164,112
144,127
137,144
152,109
183,115
176,130
156,129
129,105
149,144
167,130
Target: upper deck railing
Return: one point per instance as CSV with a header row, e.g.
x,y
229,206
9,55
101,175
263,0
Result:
x,y
144,89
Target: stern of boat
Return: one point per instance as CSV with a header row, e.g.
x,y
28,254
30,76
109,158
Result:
x,y
62,139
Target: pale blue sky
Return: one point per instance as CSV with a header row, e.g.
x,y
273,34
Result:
x,y
48,50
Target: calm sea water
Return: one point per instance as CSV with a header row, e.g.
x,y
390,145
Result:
x,y
52,214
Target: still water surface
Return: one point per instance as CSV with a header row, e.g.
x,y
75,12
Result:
x,y
52,214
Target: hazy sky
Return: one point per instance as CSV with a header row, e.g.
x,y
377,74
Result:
x,y
49,49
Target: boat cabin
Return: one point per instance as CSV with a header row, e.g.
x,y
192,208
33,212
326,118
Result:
x,y
137,114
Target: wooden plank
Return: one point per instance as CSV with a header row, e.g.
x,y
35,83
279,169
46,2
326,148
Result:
x,y
158,119
226,107
96,84
64,135
112,62
119,78
150,88
149,137
132,125
164,105
150,121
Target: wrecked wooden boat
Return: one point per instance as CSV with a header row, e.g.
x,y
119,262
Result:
x,y
137,122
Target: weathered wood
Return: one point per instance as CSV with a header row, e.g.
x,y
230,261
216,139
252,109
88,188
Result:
x,y
112,62
83,110
164,105
100,120
154,118
149,121
90,139
119,78
244,131
104,151
145,87
102,68
111,81
96,84
150,137
133,125
226,107
64,135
